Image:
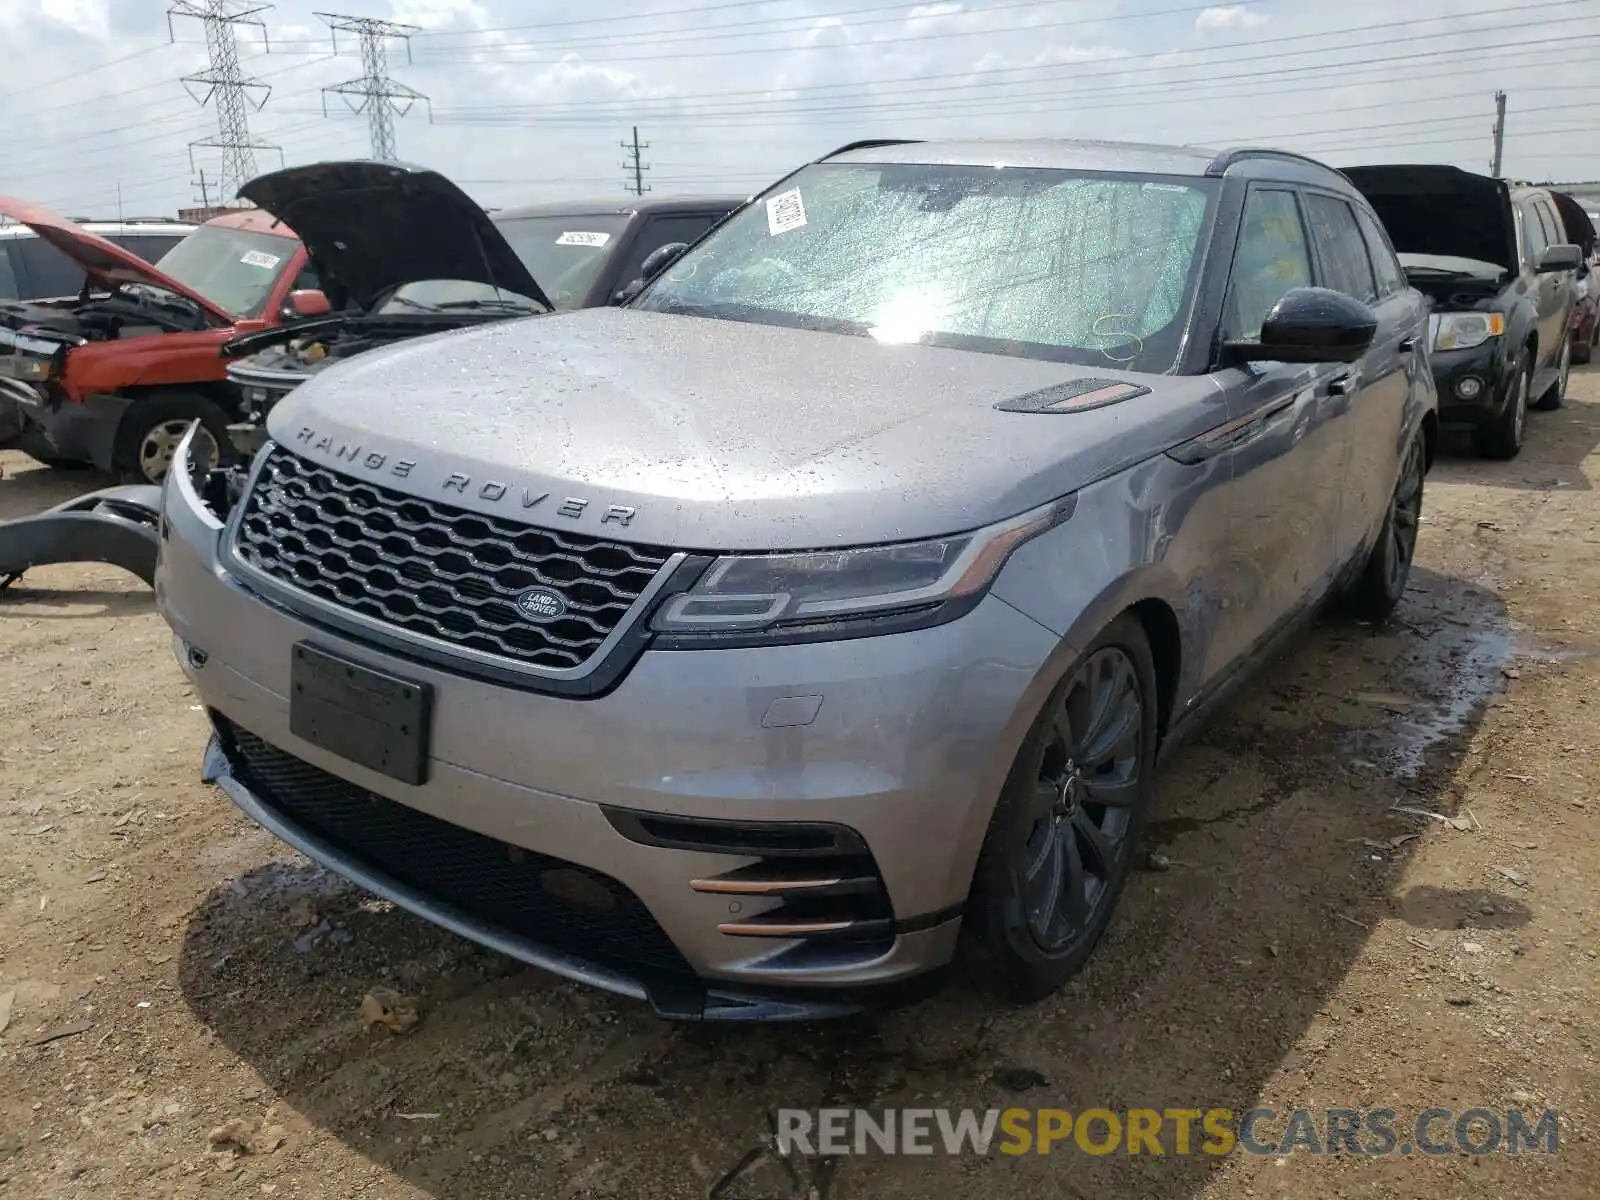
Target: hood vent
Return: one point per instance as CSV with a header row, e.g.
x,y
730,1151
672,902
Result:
x,y
1076,395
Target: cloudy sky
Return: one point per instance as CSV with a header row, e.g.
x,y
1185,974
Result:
x,y
530,98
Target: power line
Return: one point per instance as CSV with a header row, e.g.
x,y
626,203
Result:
x,y
745,5
921,38
110,62
744,114
1078,72
382,98
634,165
227,85
755,27
99,100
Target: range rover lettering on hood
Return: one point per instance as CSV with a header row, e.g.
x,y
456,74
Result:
x,y
378,462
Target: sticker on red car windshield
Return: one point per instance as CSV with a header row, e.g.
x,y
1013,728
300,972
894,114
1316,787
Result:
x,y
581,238
258,258
785,211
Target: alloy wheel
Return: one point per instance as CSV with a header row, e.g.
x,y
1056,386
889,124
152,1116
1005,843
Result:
x,y
1405,517
1089,779
160,446
1519,420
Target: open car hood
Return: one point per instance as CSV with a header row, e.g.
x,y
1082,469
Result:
x,y
103,261
370,227
1580,229
1434,209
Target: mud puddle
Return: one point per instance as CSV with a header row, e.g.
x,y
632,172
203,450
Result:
x,y
1465,652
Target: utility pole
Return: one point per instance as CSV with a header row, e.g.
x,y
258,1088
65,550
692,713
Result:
x,y
1499,132
227,85
205,192
381,97
634,166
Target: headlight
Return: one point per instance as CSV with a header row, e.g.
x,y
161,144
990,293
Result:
x,y
1462,331
830,592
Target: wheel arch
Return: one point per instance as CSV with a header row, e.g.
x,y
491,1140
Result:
x,y
221,395
1430,438
1149,597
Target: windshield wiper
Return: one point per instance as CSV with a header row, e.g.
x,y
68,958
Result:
x,y
416,304
519,305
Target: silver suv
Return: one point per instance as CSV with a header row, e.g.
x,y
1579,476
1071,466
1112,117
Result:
x,y
815,622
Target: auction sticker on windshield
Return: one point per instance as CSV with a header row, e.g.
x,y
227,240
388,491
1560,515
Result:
x,y
582,238
785,211
256,258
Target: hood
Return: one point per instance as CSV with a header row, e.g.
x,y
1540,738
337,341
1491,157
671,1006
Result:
x,y
103,261
1433,209
723,435
370,227
1580,229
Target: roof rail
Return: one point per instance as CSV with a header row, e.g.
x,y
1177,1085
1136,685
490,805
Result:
x,y
870,144
1220,164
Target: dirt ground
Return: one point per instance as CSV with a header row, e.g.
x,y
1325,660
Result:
x,y
167,968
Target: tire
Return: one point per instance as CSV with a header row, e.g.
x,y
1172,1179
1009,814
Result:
x,y
1378,590
1016,945
1502,437
1556,394
1583,348
153,426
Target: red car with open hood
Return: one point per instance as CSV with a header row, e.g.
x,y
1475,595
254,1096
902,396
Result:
x,y
116,375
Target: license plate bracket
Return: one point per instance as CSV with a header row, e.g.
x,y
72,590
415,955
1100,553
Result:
x,y
370,717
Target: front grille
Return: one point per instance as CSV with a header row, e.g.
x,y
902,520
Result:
x,y
428,568
544,900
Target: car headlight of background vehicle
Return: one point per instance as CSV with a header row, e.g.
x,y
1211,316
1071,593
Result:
x,y
1462,331
774,597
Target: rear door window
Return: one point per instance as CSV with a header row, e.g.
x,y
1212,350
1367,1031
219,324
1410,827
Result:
x,y
1391,276
1535,237
47,272
148,246
1345,265
10,285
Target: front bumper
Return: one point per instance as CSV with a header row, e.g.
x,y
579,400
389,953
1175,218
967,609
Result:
x,y
1455,371
901,742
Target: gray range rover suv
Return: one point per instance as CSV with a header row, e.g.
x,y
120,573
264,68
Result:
x,y
816,621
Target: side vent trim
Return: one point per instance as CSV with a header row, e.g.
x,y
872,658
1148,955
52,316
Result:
x,y
1076,395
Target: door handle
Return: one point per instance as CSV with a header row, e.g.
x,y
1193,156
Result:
x,y
1341,385
1407,345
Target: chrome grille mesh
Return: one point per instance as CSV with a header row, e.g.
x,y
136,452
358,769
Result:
x,y
428,568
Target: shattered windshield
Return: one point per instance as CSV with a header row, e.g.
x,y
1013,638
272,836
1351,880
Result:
x,y
1086,267
564,253
235,269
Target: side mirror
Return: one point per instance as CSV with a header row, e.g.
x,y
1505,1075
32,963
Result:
x,y
660,259
307,302
1309,325
1563,256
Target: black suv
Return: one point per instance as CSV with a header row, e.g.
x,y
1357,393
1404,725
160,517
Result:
x,y
1501,266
